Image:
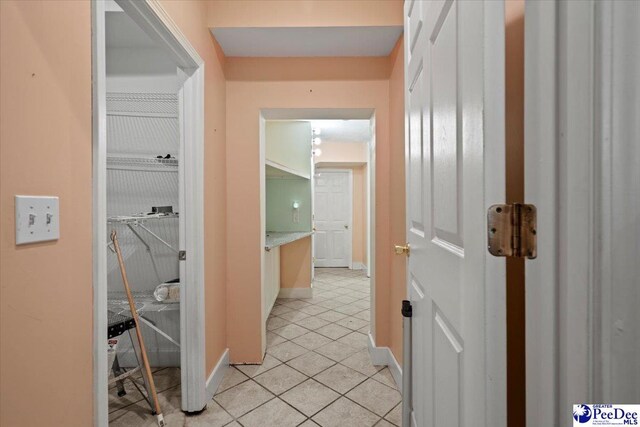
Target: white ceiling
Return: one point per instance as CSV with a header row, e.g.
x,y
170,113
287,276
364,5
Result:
x,y
121,31
308,41
343,130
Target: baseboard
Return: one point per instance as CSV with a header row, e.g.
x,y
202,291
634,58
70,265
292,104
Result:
x,y
295,293
214,380
383,356
358,266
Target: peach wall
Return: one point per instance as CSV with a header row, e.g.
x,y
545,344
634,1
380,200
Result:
x,y
304,13
46,314
245,99
190,16
283,69
398,281
295,264
359,220
45,81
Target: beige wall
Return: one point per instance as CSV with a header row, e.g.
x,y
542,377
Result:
x,y
45,80
46,312
244,101
398,281
514,153
359,220
46,293
342,152
295,264
304,13
317,68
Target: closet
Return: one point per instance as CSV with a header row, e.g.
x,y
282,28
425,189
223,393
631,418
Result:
x,y
143,194
142,207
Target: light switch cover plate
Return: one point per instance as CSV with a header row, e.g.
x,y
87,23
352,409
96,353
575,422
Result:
x,y
37,219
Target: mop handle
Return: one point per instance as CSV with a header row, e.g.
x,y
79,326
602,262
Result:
x,y
134,314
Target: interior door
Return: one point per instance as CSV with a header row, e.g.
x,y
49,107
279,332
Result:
x,y
454,95
332,243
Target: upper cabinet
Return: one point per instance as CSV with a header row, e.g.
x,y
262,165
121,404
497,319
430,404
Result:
x,y
288,148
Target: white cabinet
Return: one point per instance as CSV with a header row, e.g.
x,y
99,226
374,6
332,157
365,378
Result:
x,y
271,279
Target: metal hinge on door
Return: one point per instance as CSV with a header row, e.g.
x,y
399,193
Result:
x,y
182,256
512,230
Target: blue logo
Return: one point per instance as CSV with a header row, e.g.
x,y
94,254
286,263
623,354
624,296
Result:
x,y
582,413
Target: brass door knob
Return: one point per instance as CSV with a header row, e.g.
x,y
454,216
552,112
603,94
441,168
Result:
x,y
400,250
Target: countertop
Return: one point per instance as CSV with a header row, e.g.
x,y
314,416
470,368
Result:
x,y
278,238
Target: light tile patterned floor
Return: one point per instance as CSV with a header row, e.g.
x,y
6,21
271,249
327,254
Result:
x,y
317,369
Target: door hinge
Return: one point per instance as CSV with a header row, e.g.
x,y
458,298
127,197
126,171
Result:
x,y
512,230
182,255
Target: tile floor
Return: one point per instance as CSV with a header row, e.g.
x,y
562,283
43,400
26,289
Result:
x,y
317,370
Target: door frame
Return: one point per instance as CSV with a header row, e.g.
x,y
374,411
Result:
x,y
155,21
349,172
568,134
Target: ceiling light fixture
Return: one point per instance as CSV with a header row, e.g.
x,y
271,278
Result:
x,y
317,141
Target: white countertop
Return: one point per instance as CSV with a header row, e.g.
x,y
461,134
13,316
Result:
x,y
279,238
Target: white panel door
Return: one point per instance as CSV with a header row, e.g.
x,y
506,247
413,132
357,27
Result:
x,y
332,218
454,95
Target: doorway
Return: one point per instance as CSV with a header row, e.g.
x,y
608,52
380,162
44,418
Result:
x,y
333,218
327,142
148,145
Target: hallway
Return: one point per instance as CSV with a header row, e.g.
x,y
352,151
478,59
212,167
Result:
x,y
317,364
317,369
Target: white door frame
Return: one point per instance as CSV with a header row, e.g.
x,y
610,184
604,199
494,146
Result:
x,y
349,172
569,94
154,20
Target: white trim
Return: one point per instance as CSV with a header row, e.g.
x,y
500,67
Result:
x,y
192,308
216,376
156,22
495,307
383,356
152,18
371,223
541,274
99,216
295,293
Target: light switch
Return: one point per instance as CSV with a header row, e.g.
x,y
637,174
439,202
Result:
x,y
37,219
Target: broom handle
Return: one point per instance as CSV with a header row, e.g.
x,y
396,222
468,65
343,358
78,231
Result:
x,y
134,313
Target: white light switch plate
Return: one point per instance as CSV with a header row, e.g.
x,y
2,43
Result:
x,y
37,219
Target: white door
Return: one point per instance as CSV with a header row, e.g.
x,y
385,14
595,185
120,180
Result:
x,y
332,204
454,95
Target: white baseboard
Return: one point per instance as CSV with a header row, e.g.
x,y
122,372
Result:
x,y
383,356
214,380
358,266
295,293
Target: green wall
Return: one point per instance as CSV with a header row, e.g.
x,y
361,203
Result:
x,y
280,195
288,143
